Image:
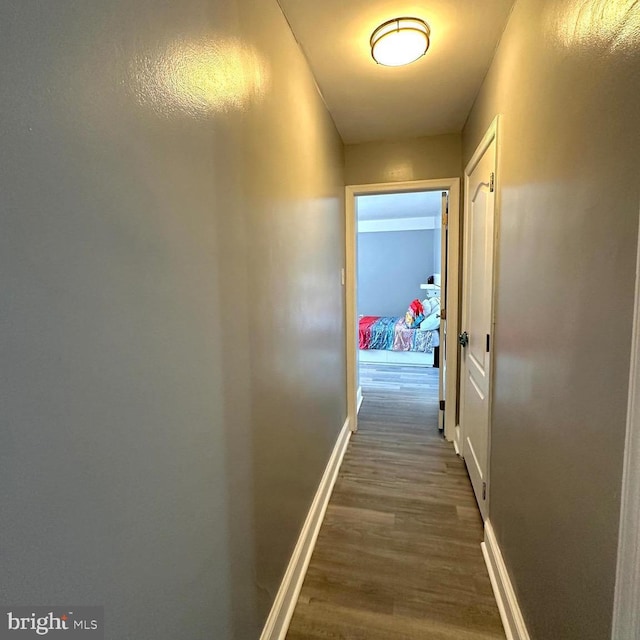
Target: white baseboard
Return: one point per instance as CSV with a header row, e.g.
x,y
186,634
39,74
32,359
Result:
x,y
279,618
512,619
358,399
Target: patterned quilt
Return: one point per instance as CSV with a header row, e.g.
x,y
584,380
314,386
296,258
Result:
x,y
392,334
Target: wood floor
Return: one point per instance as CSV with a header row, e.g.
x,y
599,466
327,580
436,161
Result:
x,y
398,556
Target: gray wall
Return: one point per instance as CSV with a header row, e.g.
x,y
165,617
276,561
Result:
x,y
424,158
566,78
391,267
171,195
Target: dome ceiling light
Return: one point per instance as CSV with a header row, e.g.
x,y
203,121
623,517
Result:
x,y
400,41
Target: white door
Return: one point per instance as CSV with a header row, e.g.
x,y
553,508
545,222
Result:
x,y
477,312
442,363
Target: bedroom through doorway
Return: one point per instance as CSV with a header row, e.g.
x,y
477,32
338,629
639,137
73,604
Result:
x,y
401,262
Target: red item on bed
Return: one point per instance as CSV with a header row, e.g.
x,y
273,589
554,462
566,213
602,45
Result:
x,y
417,308
364,331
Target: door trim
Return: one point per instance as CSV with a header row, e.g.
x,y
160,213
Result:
x,y
444,245
493,133
626,617
351,191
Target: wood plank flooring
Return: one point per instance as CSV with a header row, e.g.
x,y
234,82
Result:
x,y
398,556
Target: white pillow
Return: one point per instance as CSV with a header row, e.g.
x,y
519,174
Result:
x,y
430,303
434,306
431,322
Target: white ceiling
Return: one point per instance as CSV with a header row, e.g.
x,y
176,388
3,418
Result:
x,y
372,102
425,204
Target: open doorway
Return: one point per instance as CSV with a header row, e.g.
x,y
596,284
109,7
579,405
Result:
x,y
400,267
426,297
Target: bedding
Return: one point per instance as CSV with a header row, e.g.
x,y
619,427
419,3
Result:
x,y
393,334
414,315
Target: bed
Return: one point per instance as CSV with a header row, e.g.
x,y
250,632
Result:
x,y
390,340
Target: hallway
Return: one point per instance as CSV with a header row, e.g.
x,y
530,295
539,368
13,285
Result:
x,y
398,555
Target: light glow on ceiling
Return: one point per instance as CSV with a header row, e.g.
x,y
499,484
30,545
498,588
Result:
x,y
400,41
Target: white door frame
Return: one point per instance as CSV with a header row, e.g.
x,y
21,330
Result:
x,y
626,616
351,191
492,134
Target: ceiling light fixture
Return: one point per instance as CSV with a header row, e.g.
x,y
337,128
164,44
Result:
x,y
400,41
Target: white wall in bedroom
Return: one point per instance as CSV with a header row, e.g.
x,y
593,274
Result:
x,y
391,266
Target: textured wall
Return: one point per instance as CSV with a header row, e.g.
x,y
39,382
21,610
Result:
x,y
414,159
172,316
391,267
566,78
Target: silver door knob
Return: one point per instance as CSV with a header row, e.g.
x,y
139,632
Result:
x,y
463,339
